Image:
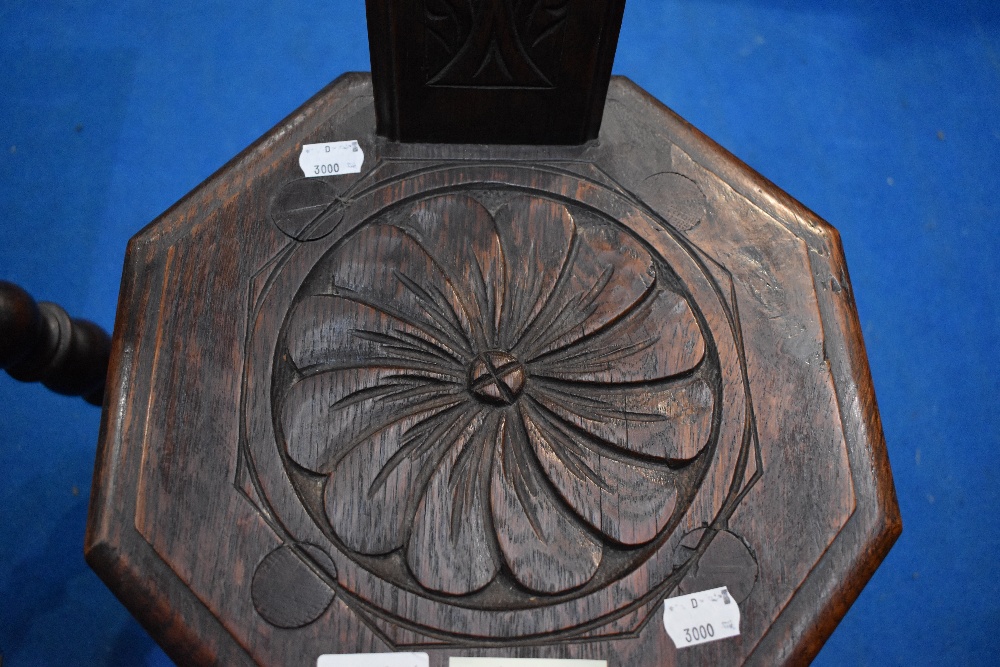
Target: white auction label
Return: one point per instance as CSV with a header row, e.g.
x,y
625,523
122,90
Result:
x,y
700,618
331,159
523,662
374,660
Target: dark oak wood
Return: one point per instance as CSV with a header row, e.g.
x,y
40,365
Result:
x,y
492,71
39,342
487,400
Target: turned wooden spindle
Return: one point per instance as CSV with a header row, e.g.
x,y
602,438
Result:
x,y
39,342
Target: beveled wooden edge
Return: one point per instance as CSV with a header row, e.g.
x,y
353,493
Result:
x,y
120,556
177,628
875,527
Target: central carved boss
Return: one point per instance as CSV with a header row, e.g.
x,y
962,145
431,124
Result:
x,y
496,377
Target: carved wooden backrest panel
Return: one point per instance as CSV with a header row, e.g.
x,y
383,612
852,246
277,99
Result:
x,y
503,395
492,71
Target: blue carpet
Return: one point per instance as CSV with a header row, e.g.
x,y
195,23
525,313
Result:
x,y
884,118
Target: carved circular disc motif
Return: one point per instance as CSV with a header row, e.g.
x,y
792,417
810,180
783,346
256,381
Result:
x,y
286,591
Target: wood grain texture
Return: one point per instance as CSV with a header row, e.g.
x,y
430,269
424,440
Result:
x,y
492,71
487,400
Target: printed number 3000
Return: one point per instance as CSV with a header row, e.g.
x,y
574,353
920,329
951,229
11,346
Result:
x,y
319,169
699,632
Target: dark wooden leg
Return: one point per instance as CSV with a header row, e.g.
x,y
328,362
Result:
x,y
39,342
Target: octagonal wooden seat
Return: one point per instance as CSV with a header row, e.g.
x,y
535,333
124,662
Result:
x,y
487,399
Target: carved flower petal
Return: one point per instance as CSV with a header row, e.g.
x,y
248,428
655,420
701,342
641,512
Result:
x,y
671,420
658,337
536,236
325,415
628,500
373,489
458,233
332,332
544,546
385,268
607,273
451,547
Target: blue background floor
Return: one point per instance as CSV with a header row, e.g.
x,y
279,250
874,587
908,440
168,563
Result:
x,y
882,117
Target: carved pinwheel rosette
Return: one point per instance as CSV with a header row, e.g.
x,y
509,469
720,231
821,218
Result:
x,y
506,388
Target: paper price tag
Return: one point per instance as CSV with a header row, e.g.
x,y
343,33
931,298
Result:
x,y
331,159
523,662
700,618
374,660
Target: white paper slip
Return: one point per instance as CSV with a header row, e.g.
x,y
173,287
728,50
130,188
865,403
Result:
x,y
523,662
373,660
700,618
331,159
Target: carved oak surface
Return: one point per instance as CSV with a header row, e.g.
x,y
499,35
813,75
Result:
x,y
488,401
